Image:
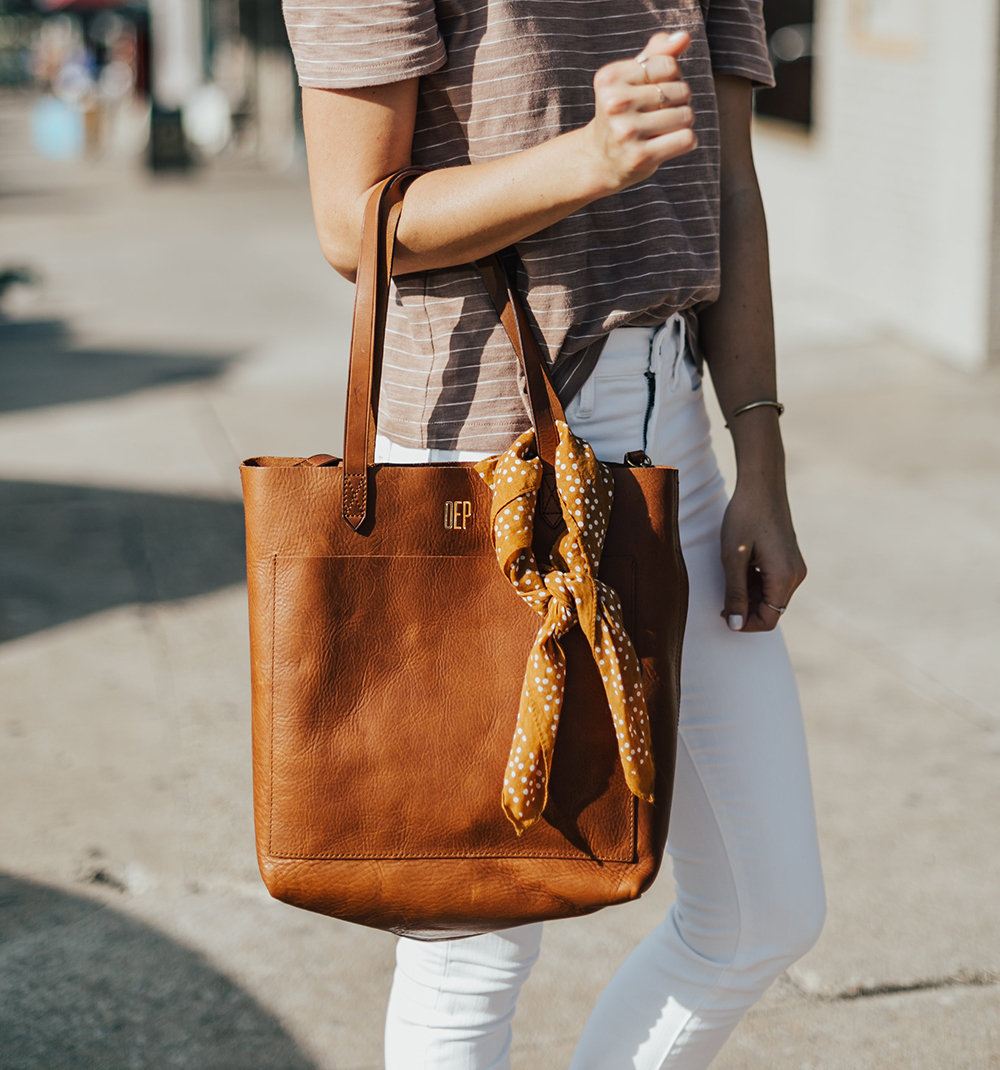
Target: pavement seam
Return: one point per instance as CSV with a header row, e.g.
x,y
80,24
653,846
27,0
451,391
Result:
x,y
217,440
962,979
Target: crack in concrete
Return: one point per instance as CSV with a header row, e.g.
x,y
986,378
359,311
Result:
x,y
962,979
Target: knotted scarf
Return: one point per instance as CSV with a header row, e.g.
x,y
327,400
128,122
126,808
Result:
x,y
565,594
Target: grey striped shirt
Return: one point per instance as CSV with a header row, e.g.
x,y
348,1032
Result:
x,y
498,76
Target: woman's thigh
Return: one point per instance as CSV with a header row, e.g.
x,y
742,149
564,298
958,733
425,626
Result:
x,y
742,831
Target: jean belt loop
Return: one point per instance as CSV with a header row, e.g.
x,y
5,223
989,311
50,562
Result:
x,y
659,354
667,348
585,403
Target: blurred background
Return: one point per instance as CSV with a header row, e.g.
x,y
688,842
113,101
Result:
x,y
165,312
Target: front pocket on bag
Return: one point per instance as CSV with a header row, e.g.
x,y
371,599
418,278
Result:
x,y
394,699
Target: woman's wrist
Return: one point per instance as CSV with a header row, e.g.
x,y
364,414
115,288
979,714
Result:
x,y
760,453
585,165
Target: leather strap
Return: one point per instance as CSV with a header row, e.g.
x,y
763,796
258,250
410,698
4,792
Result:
x,y
499,274
378,240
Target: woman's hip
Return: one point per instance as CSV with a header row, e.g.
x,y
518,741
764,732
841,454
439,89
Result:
x,y
646,394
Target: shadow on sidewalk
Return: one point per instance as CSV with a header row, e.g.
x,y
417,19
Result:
x,y
40,365
82,986
69,551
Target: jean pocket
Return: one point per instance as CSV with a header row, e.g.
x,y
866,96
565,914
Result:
x,y
582,406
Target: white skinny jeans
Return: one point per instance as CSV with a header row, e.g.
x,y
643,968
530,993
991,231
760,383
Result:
x,y
742,837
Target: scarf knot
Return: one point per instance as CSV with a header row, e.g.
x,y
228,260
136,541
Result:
x,y
566,593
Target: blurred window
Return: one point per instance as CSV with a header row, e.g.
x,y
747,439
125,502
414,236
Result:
x,y
262,23
789,26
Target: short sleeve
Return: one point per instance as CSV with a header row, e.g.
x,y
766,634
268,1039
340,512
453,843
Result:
x,y
345,44
737,40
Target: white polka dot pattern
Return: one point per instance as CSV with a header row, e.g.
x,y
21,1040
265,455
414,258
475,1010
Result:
x,y
567,593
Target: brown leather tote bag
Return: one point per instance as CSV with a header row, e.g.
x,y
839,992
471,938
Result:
x,y
388,654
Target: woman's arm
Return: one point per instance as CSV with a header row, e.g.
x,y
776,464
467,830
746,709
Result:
x,y
454,215
760,554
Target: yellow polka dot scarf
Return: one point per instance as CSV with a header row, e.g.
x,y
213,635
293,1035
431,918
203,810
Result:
x,y
569,592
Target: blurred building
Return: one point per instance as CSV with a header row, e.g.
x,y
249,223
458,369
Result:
x,y
187,79
882,131
274,93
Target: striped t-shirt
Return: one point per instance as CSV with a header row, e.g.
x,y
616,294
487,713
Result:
x,y
498,76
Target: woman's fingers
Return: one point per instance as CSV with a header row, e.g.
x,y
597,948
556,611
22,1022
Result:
x,y
663,95
666,44
642,114
770,600
769,616
769,594
645,70
645,110
618,100
650,124
670,146
736,567
755,599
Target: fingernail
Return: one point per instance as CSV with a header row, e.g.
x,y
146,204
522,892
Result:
x,y
677,35
735,622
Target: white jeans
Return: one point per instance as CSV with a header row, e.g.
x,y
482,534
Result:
x,y
742,830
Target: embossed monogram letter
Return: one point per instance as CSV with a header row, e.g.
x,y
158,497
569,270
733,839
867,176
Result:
x,y
456,515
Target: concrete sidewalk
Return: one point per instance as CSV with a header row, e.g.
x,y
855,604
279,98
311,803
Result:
x,y
183,325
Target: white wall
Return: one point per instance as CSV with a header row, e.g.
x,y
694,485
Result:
x,y
889,202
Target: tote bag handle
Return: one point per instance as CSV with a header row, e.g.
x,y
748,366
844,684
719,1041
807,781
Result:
x,y
371,302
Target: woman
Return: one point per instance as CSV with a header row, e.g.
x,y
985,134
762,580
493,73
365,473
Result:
x,y
610,142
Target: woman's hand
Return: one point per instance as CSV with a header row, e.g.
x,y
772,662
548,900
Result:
x,y
642,114
760,554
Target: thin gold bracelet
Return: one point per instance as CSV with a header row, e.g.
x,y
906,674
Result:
x,y
757,405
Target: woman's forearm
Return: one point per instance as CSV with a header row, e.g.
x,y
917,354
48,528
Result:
x,y
355,138
737,331
737,335
453,215
459,214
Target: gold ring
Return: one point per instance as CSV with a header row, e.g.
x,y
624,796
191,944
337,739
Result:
x,y
777,609
642,61
663,99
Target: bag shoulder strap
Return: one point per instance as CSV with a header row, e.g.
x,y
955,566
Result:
x,y
378,239
364,375
499,274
